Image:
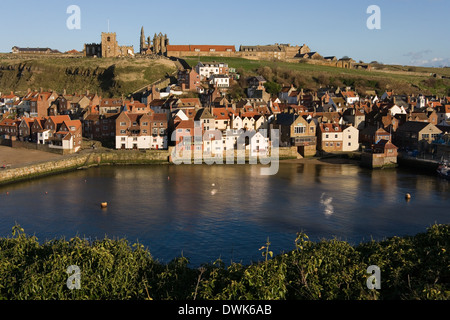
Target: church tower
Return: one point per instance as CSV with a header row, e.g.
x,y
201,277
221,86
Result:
x,y
109,45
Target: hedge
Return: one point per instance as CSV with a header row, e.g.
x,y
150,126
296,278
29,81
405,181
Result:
x,y
411,268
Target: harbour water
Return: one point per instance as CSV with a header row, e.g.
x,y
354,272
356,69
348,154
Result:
x,y
225,211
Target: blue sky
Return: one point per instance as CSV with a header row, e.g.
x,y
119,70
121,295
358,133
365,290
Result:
x,y
413,32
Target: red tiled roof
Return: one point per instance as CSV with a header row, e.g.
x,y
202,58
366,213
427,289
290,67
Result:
x,y
186,124
202,48
332,127
73,123
220,113
59,119
159,117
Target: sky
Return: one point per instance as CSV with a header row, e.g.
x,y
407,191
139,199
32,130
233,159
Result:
x,y
411,32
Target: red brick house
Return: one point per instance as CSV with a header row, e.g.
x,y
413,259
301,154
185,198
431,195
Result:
x,y
25,129
189,80
36,127
141,131
100,127
40,102
9,128
68,137
51,125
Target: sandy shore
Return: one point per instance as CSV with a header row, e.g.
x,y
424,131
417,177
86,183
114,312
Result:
x,y
19,157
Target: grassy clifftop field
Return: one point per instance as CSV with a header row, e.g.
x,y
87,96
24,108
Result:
x,y
402,79
109,77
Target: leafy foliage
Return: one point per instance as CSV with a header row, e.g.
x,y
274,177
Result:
x,y
411,268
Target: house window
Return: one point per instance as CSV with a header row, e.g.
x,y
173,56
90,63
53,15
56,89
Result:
x,y
123,131
335,136
123,139
299,129
123,124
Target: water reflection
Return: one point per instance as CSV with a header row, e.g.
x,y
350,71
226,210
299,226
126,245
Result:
x,y
207,212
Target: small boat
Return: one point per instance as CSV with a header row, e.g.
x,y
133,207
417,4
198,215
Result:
x,y
444,170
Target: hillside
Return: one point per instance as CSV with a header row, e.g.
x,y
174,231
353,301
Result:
x,y
122,76
109,77
402,79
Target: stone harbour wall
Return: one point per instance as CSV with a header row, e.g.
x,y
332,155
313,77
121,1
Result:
x,y
81,161
112,157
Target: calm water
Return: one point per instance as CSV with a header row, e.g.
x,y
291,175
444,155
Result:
x,y
176,210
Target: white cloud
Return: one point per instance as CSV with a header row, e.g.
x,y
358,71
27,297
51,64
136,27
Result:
x,y
424,58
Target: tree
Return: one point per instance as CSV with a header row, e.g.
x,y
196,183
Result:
x,y
272,87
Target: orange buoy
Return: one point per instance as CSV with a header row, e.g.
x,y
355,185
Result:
x,y
104,205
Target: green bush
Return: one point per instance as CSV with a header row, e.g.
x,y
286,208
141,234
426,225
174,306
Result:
x,y
411,268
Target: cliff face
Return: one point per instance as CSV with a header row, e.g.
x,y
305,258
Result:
x,y
107,78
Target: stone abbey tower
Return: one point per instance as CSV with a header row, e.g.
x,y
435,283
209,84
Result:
x,y
156,46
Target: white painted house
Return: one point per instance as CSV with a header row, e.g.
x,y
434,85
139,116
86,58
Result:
x,y
43,136
220,80
395,109
206,70
259,144
350,139
133,142
237,123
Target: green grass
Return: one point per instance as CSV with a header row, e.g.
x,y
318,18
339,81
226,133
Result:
x,y
389,77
